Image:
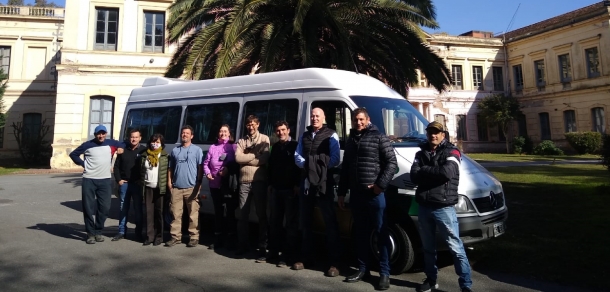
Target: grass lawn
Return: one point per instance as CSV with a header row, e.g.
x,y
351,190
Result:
x,y
9,170
489,157
558,225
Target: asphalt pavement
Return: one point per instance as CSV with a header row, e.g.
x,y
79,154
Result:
x,y
42,249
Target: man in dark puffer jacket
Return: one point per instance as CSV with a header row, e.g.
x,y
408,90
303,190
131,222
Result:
x,y
436,171
369,164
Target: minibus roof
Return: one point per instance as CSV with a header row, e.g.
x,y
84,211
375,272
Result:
x,y
350,83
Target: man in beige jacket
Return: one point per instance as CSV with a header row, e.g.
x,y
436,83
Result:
x,y
252,154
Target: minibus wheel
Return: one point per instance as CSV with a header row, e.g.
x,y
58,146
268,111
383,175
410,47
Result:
x,y
401,252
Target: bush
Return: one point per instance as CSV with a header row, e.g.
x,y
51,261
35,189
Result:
x,y
547,147
585,142
605,151
522,144
518,143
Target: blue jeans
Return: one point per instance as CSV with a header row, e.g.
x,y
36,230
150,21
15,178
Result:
x,y
96,195
326,203
368,213
127,192
445,221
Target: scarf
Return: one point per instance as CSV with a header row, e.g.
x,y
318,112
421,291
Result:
x,y
153,156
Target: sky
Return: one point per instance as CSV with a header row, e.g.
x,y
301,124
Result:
x,y
459,16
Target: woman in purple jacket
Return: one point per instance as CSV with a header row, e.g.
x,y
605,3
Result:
x,y
217,167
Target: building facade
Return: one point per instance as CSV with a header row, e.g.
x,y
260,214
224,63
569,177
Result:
x,y
477,63
113,46
30,44
560,72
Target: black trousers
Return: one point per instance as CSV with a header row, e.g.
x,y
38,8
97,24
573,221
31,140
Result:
x,y
153,213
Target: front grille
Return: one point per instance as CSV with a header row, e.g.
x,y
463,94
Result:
x,y
489,203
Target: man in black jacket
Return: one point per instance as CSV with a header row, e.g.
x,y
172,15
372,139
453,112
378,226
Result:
x,y
284,179
369,164
127,174
436,171
317,152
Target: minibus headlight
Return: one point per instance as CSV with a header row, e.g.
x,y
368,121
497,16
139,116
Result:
x,y
463,205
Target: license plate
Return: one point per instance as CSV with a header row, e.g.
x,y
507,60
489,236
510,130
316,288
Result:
x,y
499,229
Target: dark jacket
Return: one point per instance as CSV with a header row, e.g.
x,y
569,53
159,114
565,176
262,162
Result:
x,y
437,175
316,152
163,163
368,159
283,172
127,166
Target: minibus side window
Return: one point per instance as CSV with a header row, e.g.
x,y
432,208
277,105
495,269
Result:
x,y
271,111
338,117
206,120
163,120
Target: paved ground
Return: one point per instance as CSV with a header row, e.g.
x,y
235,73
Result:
x,y
42,249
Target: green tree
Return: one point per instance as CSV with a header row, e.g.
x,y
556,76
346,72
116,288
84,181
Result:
x,y
15,3
383,38
43,3
500,110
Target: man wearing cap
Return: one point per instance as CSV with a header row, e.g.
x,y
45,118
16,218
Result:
x,y
436,171
96,185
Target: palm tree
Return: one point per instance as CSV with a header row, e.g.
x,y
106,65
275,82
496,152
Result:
x,y
382,38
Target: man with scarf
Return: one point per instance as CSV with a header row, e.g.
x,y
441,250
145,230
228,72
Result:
x,y
369,164
436,171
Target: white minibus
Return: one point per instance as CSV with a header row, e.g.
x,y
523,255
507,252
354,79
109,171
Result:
x,y
163,105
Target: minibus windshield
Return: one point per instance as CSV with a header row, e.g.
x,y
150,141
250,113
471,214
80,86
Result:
x,y
397,118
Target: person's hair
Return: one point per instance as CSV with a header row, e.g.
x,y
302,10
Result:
x,y
187,127
282,123
134,131
358,111
156,137
231,139
252,118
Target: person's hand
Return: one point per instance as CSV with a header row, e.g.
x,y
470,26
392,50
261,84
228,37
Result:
x,y
209,176
203,196
376,189
224,172
121,182
341,202
120,151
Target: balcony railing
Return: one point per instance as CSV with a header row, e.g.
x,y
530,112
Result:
x,y
32,11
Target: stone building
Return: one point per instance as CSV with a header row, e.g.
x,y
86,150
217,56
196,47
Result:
x,y
30,43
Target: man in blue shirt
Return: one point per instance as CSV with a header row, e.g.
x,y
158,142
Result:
x,y
184,176
317,152
96,186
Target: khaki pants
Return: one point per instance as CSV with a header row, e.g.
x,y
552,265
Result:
x,y
179,197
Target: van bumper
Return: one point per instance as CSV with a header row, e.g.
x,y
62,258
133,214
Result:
x,y
475,228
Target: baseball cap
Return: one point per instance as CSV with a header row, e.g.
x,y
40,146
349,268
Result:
x,y
100,128
436,125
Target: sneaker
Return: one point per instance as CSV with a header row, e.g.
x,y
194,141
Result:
x,y
172,242
332,272
99,238
427,286
193,243
118,237
262,257
298,266
281,264
466,289
90,239
157,241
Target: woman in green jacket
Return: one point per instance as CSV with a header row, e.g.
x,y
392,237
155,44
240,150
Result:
x,y
154,180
